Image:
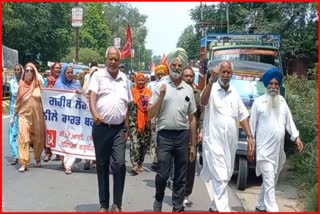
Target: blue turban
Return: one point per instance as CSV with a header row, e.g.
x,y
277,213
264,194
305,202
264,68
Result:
x,y
270,74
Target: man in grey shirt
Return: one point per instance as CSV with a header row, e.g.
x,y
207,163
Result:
x,y
174,106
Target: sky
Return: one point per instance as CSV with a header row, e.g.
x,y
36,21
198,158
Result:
x,y
165,23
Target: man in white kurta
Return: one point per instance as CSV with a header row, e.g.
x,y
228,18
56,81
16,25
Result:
x,y
270,118
223,112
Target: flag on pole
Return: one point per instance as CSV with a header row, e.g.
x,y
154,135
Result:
x,y
164,60
126,51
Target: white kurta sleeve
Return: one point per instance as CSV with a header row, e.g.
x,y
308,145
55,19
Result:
x,y
254,119
290,126
242,112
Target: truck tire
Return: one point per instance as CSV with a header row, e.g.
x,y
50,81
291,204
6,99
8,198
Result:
x,y
242,173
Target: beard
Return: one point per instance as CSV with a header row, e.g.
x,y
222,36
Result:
x,y
224,83
175,74
273,101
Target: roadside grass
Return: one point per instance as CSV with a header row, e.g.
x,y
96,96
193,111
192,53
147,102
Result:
x,y
302,98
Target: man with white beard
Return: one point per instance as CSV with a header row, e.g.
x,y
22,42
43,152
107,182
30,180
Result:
x,y
224,110
270,118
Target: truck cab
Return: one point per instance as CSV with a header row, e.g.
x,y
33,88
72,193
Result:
x,y
251,55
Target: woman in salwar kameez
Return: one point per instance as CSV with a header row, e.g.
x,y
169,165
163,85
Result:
x,y
53,76
66,81
31,118
14,127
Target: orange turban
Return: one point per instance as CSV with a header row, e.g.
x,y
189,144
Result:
x,y
162,69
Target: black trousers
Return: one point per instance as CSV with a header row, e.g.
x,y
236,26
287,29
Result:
x,y
110,145
172,144
191,171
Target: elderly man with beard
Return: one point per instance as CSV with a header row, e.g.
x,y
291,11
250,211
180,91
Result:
x,y
224,110
173,105
270,118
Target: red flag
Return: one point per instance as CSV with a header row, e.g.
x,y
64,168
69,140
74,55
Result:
x,y
126,51
164,60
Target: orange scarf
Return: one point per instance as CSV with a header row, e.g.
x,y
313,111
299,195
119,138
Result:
x,y
141,97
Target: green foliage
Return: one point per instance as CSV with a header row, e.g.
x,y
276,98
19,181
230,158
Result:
x,y
95,32
312,202
297,23
39,31
302,98
86,55
190,43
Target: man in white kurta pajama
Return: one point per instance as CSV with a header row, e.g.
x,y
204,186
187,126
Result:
x,y
223,112
270,118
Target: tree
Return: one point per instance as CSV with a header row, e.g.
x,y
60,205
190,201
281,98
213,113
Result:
x,y
86,55
95,33
190,42
39,31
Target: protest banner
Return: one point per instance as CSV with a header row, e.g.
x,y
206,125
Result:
x,y
69,123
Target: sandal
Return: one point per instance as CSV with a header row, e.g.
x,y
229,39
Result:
x,y
68,171
134,171
38,163
23,168
140,168
47,158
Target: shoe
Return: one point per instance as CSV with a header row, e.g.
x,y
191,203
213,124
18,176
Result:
x,y
258,210
68,171
154,166
23,168
140,168
38,163
86,165
157,206
102,209
187,202
14,162
115,208
213,211
47,158
134,171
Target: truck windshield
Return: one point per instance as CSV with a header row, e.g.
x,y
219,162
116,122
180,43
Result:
x,y
249,88
254,55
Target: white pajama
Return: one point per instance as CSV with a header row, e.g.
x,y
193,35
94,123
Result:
x,y
68,161
220,196
267,196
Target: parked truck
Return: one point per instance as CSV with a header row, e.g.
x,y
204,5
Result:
x,y
251,55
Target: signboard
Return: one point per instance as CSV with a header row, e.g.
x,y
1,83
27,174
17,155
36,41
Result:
x,y
77,16
117,42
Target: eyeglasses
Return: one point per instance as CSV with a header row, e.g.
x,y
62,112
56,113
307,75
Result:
x,y
29,70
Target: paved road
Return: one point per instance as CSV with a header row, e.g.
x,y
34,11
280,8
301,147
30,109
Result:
x,y
49,189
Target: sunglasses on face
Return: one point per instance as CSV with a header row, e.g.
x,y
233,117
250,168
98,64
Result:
x,y
29,71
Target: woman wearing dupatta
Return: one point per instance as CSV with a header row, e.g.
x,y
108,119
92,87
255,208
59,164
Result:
x,y
66,81
53,76
14,128
31,119
140,128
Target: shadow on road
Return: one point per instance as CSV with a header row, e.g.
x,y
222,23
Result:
x,y
87,208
